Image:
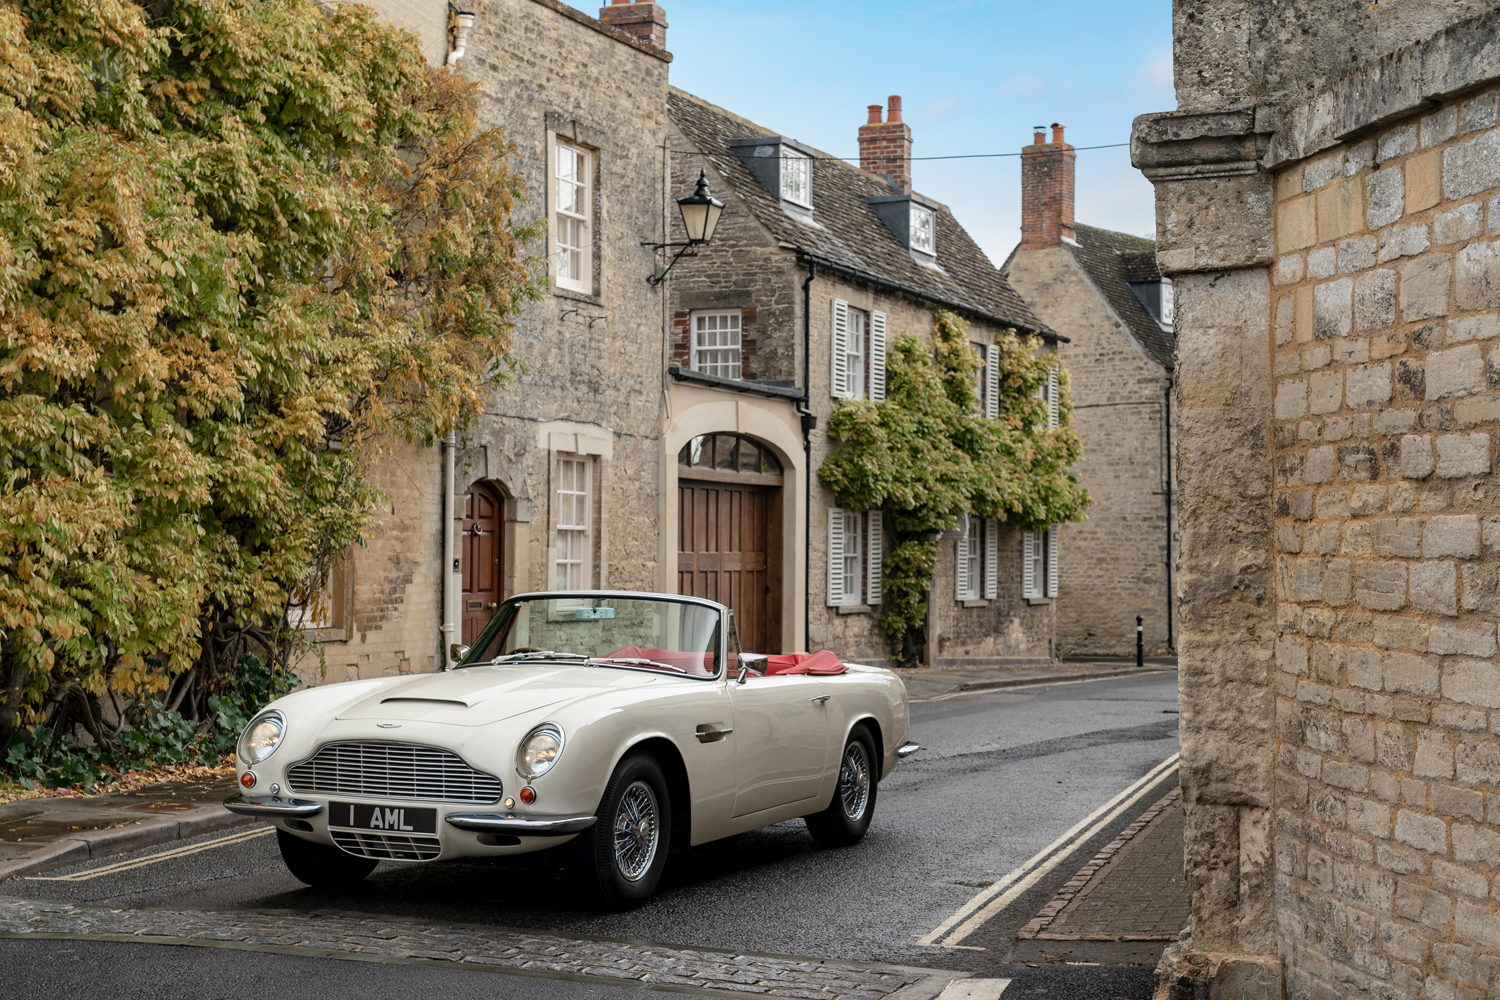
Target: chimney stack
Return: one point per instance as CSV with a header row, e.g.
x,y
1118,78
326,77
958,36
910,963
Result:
x,y
885,147
646,21
1047,190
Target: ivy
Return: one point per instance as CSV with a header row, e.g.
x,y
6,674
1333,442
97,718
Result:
x,y
245,246
926,457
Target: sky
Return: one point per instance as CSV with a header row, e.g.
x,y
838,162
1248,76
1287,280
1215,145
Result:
x,y
974,77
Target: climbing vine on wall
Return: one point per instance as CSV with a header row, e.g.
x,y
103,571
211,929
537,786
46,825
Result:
x,y
926,457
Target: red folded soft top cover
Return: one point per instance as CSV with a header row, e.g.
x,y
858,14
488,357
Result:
x,y
693,663
822,662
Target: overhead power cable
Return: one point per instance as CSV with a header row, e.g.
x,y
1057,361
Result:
x,y
959,156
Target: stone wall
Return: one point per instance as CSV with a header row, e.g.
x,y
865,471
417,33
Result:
x,y
590,367
1338,284
1007,629
1387,289
1113,566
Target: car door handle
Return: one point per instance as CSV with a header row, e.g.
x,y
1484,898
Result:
x,y
821,698
710,733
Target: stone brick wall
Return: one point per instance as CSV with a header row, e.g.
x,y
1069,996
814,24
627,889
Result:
x,y
590,367
743,268
1331,237
1113,566
1007,629
1387,288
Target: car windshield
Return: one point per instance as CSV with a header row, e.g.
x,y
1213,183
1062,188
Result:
x,y
627,632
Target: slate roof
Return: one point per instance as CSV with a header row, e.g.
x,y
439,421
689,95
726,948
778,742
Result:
x,y
848,232
1113,260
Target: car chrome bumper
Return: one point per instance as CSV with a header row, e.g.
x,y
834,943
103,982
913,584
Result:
x,y
272,806
521,826
905,750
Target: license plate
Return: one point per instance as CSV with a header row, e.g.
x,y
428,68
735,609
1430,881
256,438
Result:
x,y
385,819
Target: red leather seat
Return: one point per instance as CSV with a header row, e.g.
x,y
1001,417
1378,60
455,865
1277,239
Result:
x,y
822,662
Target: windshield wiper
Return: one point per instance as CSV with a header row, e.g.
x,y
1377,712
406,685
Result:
x,y
539,654
634,661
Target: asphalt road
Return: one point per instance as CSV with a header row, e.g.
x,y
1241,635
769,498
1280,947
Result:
x,y
1004,774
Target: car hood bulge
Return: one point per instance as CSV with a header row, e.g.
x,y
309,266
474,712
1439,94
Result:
x,y
479,696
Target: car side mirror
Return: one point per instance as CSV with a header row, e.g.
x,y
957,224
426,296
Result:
x,y
457,651
755,661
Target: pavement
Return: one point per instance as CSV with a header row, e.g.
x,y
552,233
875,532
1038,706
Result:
x,y
37,835
925,684
973,837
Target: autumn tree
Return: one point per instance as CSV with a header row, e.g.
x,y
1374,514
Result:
x,y
243,245
926,455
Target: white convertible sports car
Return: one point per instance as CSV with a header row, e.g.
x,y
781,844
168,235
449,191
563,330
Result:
x,y
614,724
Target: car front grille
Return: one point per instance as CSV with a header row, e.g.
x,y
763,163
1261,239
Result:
x,y
387,846
393,771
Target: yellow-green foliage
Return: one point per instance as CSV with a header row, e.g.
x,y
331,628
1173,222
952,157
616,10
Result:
x,y
925,457
232,233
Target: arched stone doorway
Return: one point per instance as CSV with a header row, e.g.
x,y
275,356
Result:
x,y
729,532
480,558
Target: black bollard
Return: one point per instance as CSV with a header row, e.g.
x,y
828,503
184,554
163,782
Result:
x,y
1140,641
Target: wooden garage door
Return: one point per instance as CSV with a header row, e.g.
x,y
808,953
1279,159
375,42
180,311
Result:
x,y
729,546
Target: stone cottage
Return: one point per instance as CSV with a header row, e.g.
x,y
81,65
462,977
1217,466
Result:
x,y
1102,290
1328,207
816,266
558,484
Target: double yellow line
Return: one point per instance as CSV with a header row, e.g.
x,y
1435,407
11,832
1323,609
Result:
x,y
999,895
238,837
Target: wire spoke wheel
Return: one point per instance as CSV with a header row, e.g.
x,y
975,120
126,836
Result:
x,y
637,831
854,781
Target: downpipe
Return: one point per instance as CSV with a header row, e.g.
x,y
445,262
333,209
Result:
x,y
809,421
450,447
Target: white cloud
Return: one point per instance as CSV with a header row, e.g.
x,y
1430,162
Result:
x,y
1025,87
940,109
1155,72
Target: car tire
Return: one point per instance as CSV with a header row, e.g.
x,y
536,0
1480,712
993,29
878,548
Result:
x,y
320,865
616,863
848,816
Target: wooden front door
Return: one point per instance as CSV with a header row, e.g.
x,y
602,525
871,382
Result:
x,y
724,553
479,558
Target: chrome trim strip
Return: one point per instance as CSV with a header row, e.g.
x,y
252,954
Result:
x,y
524,826
905,750
273,807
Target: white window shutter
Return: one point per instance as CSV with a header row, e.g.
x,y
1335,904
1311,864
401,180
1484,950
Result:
x,y
1052,560
874,551
991,559
835,556
838,377
992,381
961,564
1028,564
1052,401
877,357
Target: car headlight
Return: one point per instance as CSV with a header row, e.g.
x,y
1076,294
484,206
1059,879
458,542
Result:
x,y
262,737
539,750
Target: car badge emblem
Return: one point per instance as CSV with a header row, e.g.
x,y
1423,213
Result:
x,y
389,725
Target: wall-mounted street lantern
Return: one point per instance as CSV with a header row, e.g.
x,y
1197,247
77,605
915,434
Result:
x,y
700,217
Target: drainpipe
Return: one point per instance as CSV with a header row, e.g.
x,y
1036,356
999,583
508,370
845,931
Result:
x,y
1171,645
809,421
465,22
450,447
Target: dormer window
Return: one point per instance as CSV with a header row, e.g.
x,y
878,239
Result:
x,y
796,177
784,166
923,230
1156,296
912,219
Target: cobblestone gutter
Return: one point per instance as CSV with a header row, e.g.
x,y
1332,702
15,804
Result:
x,y
381,939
